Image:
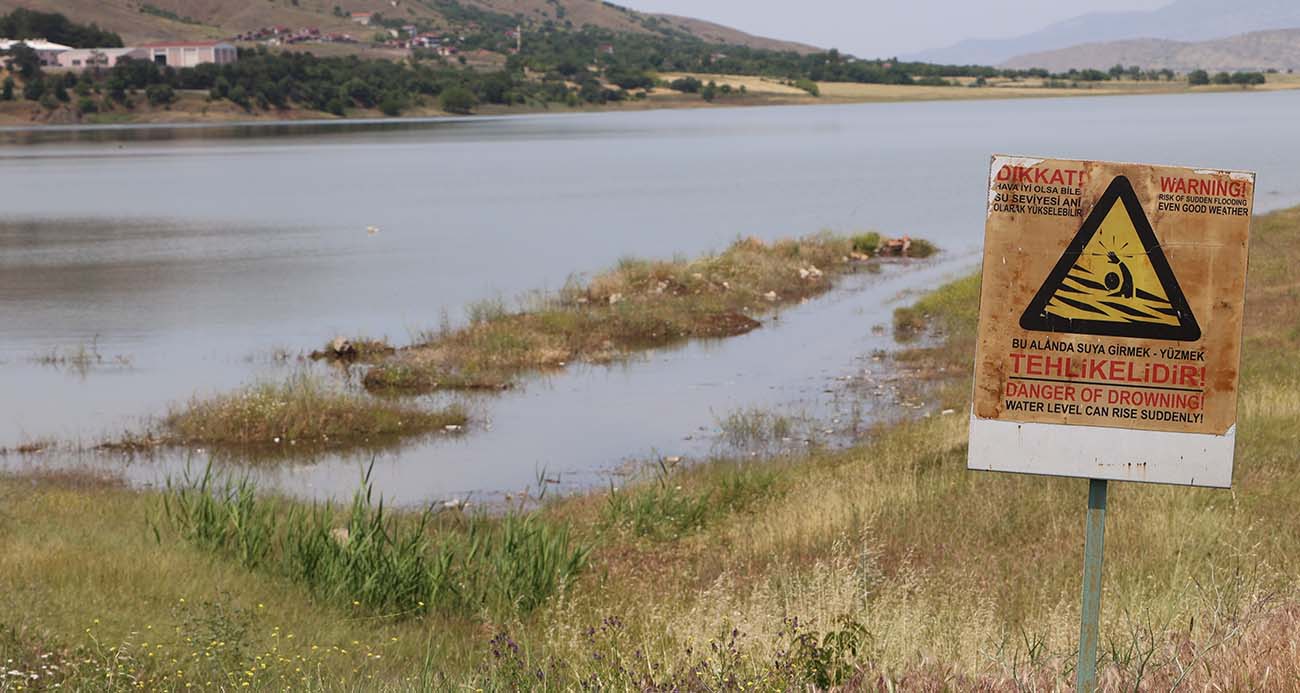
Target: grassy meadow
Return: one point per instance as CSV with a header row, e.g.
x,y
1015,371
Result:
x,y
887,566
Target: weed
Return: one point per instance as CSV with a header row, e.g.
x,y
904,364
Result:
x,y
371,558
671,505
866,243
756,430
81,359
824,659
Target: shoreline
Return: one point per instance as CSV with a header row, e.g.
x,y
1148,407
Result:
x,y
195,111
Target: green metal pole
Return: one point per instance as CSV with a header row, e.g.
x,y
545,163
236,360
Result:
x,y
1090,619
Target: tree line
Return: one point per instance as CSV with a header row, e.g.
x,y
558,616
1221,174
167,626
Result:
x,y
23,23
558,64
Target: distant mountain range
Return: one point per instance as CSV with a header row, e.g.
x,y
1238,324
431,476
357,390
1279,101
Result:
x,y
1258,50
1182,20
144,20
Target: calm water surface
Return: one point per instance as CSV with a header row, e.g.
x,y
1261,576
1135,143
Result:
x,y
193,253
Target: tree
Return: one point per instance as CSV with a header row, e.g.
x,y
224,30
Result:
x,y
239,95
1198,78
360,92
23,23
392,104
457,99
24,60
34,90
117,88
1247,79
160,94
686,85
220,89
1222,78
7,94
629,79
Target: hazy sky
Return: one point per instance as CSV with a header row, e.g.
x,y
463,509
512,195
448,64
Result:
x,y
886,28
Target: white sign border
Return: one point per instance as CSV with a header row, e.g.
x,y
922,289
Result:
x,y
1095,452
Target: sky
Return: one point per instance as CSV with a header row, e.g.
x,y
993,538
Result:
x,y
885,28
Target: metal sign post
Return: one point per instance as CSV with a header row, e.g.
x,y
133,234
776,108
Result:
x,y
1090,616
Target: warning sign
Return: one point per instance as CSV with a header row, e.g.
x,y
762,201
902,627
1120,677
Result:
x,y
1110,317
1113,279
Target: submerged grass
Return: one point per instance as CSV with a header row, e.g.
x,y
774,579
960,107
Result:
x,y
639,304
302,410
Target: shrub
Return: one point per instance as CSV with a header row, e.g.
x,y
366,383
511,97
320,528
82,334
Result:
x,y
160,94
867,243
808,85
392,105
458,100
921,248
87,105
686,85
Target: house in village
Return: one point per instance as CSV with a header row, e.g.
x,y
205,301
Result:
x,y
191,53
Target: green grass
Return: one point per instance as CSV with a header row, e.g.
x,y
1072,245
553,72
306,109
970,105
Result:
x,y
394,565
669,506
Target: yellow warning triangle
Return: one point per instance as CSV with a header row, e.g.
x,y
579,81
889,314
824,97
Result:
x,y
1113,279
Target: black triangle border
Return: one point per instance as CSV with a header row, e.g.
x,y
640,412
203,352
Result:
x,y
1036,319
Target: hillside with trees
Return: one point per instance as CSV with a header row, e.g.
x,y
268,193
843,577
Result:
x,y
151,20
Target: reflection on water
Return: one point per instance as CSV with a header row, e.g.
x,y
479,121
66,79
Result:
x,y
197,252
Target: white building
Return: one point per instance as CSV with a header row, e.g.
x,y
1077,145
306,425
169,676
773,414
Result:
x,y
190,53
48,51
82,58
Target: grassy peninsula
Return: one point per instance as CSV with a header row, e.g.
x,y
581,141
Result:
x,y
638,305
886,566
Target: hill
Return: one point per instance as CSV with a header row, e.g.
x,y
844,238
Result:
x,y
1182,20
145,20
1258,50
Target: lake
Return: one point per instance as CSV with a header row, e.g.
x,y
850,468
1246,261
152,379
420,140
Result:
x,y
186,257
